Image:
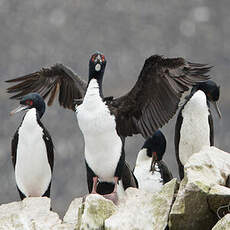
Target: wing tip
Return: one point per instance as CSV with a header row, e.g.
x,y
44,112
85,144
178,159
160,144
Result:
x,y
12,80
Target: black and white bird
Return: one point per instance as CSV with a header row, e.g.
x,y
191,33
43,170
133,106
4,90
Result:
x,y
150,169
106,121
194,126
32,150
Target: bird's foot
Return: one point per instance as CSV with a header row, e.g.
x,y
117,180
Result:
x,y
111,196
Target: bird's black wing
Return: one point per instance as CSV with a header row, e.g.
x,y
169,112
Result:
x,y
14,144
49,145
210,121
165,173
128,178
177,142
154,99
47,82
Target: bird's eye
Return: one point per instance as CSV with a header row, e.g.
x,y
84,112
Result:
x,y
29,102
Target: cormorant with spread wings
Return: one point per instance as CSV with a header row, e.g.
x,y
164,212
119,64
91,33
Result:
x,y
106,121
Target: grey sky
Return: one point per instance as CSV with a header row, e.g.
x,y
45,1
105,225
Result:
x,y
41,33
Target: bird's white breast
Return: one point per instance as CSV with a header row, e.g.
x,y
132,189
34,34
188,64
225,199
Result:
x,y
102,143
32,170
147,181
195,130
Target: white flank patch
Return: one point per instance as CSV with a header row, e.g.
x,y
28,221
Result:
x,y
195,130
32,170
147,181
102,143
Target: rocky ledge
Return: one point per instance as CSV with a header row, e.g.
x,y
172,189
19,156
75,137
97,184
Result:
x,y
201,201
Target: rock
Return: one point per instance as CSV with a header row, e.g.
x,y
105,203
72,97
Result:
x,y
218,200
162,202
142,210
71,216
223,224
31,213
202,199
96,210
91,214
202,191
63,227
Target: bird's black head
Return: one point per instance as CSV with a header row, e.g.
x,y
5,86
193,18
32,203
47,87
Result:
x,y
212,92
32,100
156,145
97,64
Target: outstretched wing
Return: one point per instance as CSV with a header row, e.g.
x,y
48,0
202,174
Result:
x,y
47,82
154,99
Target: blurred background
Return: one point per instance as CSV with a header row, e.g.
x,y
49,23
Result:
x,y
35,34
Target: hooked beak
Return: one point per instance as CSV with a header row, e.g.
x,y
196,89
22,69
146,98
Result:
x,y
98,62
78,101
153,163
18,109
98,67
215,104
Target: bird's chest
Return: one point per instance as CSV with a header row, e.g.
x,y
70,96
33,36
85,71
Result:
x,y
148,181
102,143
195,129
31,160
95,118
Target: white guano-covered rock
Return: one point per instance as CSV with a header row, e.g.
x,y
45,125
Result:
x,y
90,213
142,210
71,216
31,213
223,224
202,191
96,210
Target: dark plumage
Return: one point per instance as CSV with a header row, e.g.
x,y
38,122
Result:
x,y
147,106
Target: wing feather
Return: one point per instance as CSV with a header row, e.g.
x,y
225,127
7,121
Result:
x,y
154,99
48,82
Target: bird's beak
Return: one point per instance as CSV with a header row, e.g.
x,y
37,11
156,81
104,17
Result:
x,y
98,67
215,104
77,102
18,109
154,159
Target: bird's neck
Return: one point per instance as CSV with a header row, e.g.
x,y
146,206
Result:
x,y
142,156
199,95
31,118
93,92
95,84
199,98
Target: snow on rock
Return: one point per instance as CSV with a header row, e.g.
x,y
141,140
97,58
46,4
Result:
x,y
142,210
202,192
31,213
